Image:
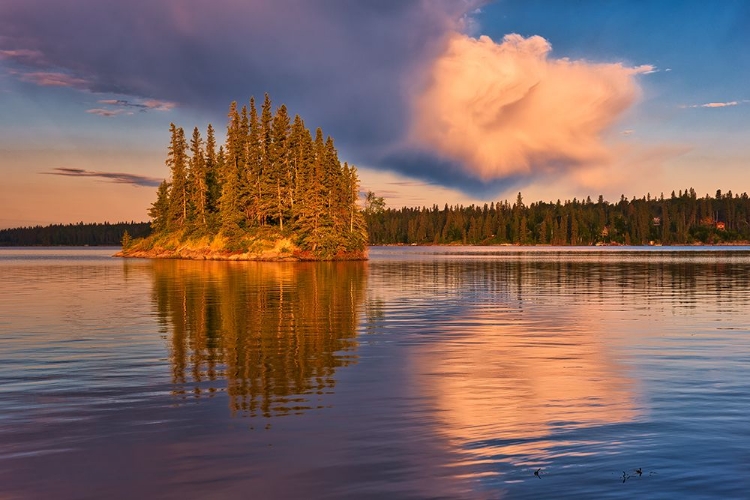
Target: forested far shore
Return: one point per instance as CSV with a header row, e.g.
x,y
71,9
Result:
x,y
681,218
79,234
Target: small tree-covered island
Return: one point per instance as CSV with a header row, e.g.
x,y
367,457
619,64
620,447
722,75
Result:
x,y
271,192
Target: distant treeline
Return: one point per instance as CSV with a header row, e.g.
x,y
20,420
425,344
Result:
x,y
681,218
80,234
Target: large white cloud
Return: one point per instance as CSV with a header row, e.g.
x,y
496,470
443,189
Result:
x,y
509,109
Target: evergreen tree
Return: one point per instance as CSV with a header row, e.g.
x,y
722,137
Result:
x,y
357,224
159,211
199,190
311,206
178,194
279,171
230,215
213,179
254,178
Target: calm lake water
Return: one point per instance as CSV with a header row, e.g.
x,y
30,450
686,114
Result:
x,y
449,372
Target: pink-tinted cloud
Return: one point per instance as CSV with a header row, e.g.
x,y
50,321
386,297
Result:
x,y
331,61
507,109
52,79
717,104
158,105
23,56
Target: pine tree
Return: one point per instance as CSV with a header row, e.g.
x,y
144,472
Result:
x,y
230,215
199,180
278,171
159,211
266,190
300,152
254,175
212,173
312,205
178,194
230,164
357,224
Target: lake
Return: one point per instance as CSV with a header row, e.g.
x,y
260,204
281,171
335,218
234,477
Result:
x,y
426,372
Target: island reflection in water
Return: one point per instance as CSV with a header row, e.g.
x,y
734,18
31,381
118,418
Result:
x,y
273,334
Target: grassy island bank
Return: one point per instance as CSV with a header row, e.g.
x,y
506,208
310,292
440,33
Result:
x,y
279,249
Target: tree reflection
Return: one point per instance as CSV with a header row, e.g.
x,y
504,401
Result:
x,y
275,332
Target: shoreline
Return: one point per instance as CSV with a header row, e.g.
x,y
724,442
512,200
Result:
x,y
518,245
208,254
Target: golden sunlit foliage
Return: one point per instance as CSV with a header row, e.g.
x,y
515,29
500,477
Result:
x,y
269,181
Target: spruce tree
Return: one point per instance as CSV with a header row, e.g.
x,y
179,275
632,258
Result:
x,y
300,147
212,173
278,165
254,176
230,216
312,205
159,211
199,180
177,163
230,165
265,182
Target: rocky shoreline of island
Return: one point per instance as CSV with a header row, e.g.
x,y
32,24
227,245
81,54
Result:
x,y
219,248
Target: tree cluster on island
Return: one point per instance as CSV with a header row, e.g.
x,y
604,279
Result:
x,y
271,191
680,219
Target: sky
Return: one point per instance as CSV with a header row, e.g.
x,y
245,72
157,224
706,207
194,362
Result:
x,y
434,101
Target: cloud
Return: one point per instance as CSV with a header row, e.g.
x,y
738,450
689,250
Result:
x,y
122,106
51,79
116,177
105,112
149,104
25,56
499,111
716,104
375,75
719,104
345,66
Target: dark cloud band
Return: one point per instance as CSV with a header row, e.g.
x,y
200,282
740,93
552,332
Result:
x,y
116,177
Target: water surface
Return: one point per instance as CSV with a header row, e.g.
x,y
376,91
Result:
x,y
449,372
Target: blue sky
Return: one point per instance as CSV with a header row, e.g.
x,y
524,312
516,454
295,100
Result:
x,y
593,97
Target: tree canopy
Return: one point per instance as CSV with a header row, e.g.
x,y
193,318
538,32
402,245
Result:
x,y
270,178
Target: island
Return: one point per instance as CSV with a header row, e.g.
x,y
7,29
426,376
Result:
x,y
272,192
